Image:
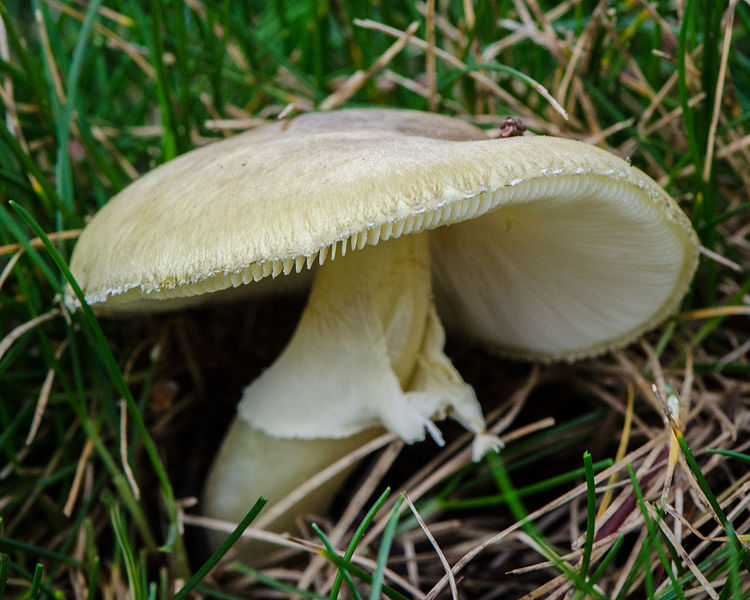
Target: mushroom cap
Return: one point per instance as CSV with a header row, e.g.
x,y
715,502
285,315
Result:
x,y
543,247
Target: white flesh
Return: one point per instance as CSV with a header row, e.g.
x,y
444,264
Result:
x,y
367,352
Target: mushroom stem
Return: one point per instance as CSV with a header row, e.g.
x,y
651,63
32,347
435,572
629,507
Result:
x,y
367,352
252,463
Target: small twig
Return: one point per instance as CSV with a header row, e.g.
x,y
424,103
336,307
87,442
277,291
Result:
x,y
47,49
319,478
286,111
581,45
294,543
358,79
10,468
115,40
124,163
711,538
713,311
38,243
682,552
621,450
603,134
656,102
475,75
88,448
599,548
516,402
441,556
9,267
16,333
252,533
494,49
110,14
738,353
410,555
469,556
715,256
124,450
718,93
673,115
429,55
354,507
233,124
671,407
415,86
44,393
6,92
629,565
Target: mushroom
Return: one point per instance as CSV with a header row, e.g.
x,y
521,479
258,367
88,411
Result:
x,y
542,248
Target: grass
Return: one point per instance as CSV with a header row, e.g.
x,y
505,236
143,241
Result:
x,y
100,458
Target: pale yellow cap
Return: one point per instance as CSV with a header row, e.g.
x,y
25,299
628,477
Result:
x,y
544,247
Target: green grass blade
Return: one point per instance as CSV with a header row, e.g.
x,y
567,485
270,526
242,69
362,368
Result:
x,y
646,569
734,579
588,545
384,550
641,564
38,551
687,112
49,198
288,590
731,453
191,583
93,578
212,593
7,221
362,575
530,81
128,552
116,377
347,577
718,219
713,323
170,139
63,174
520,514
599,572
654,537
358,535
527,490
708,493
7,432
4,570
36,581
29,66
